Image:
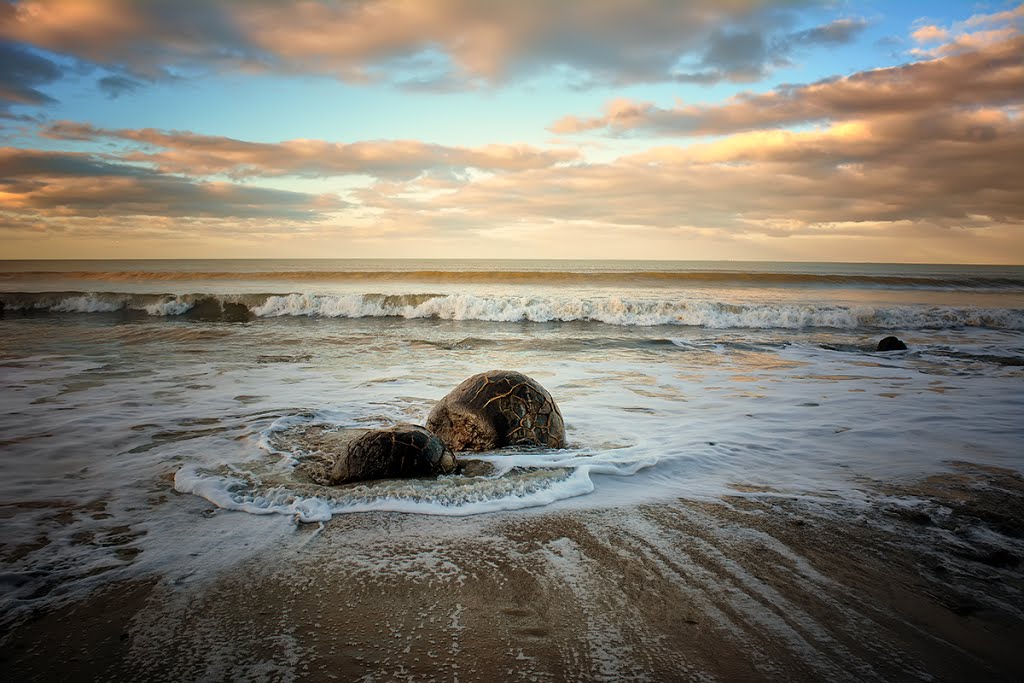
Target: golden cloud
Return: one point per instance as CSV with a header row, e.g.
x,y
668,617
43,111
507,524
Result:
x,y
978,70
426,43
205,155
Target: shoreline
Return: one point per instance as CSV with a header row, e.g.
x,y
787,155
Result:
x,y
925,581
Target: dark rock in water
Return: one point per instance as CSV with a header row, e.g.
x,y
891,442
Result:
x,y
495,409
399,452
210,309
891,344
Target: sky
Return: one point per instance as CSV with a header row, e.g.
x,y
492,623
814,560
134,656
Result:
x,y
586,129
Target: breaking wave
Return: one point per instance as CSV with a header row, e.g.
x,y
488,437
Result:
x,y
610,310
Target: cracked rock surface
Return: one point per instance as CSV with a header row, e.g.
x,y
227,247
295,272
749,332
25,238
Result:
x,y
401,451
495,409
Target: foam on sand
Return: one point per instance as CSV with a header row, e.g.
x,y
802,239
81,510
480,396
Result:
x,y
515,479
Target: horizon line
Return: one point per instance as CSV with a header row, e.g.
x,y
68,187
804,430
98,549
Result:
x,y
518,260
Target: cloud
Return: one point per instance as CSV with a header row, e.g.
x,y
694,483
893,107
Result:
x,y
930,34
204,155
927,151
991,75
750,54
115,86
138,37
490,42
1008,16
942,168
23,73
158,176
895,182
974,33
948,179
916,159
741,53
921,155
838,32
38,184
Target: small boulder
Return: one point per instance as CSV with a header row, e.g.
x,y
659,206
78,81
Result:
x,y
495,409
402,451
891,344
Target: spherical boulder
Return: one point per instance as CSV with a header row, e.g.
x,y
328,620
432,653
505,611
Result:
x,y
402,451
891,344
495,409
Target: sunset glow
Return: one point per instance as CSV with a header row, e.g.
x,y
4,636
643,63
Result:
x,y
746,130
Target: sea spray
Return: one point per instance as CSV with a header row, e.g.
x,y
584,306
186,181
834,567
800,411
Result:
x,y
614,310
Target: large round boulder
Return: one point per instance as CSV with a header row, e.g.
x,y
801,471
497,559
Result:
x,y
891,344
495,409
399,452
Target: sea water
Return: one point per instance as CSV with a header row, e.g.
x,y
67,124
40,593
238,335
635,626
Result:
x,y
133,391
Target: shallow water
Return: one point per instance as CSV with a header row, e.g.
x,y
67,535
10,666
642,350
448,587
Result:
x,y
115,404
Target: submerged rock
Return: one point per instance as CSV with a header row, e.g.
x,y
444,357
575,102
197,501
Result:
x,y
399,452
891,344
495,409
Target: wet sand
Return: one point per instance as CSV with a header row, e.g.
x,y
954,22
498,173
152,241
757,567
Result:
x,y
914,582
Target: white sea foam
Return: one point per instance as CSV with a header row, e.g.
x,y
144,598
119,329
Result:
x,y
629,312
549,307
444,496
175,306
89,303
812,418
520,479
95,427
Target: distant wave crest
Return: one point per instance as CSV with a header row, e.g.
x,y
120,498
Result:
x,y
639,277
541,309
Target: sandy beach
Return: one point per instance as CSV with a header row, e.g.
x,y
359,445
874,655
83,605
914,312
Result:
x,y
451,340
921,582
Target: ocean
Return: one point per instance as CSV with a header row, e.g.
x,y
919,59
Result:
x,y
141,396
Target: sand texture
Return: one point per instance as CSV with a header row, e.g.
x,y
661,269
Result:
x,y
920,582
